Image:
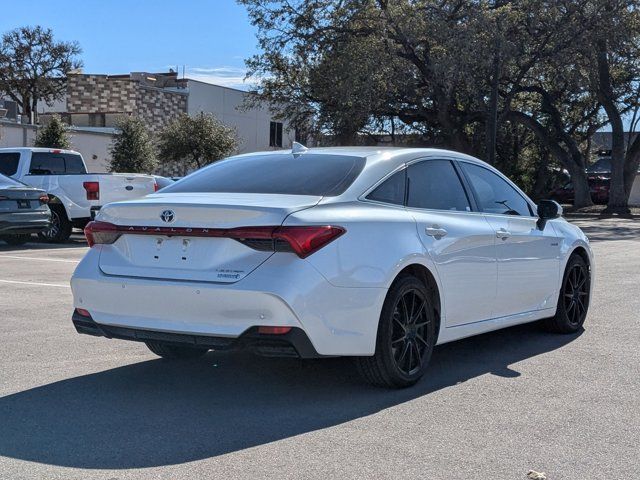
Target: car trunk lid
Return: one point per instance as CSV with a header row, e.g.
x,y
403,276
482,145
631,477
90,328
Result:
x,y
165,239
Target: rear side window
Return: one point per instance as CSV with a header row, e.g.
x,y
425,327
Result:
x,y
391,190
493,193
435,184
51,163
9,163
306,174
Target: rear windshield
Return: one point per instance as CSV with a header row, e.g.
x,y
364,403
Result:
x,y
9,163
52,163
306,174
6,182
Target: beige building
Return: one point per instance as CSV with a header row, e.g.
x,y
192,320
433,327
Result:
x,y
93,103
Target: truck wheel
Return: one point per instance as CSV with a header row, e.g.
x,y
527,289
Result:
x,y
16,240
60,229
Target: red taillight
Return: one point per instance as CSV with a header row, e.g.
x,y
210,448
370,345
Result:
x,y
101,233
301,240
93,190
44,199
83,312
156,187
274,330
306,240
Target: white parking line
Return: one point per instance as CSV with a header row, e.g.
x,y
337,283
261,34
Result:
x,y
16,257
36,284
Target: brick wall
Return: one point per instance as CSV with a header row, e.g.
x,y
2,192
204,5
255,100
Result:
x,y
100,94
158,107
123,95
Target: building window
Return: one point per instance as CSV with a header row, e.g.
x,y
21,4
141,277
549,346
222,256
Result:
x,y
96,119
275,134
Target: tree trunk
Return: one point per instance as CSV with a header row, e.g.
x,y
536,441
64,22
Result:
x,y
618,197
582,196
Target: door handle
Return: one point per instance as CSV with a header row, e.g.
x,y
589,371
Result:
x,y
503,234
435,232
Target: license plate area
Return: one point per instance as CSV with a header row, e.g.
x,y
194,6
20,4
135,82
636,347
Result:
x,y
24,204
181,258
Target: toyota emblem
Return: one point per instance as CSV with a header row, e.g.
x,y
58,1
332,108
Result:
x,y
167,216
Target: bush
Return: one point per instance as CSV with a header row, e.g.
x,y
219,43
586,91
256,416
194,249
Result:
x,y
196,141
132,150
53,135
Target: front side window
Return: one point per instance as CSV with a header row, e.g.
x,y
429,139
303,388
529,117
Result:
x,y
391,190
9,163
434,184
493,193
51,163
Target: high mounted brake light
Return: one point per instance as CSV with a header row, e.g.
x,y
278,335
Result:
x,y
301,240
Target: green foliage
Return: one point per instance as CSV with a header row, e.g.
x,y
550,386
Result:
x,y
132,150
196,141
33,66
452,72
53,135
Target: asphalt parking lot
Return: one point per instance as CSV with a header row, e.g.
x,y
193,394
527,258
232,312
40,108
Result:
x,y
491,407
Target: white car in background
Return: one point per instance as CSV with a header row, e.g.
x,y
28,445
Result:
x,y
376,253
74,194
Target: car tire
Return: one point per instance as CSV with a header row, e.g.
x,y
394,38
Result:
x,y
173,352
573,299
16,240
61,226
406,336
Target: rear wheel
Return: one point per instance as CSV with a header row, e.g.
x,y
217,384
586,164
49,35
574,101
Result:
x,y
174,352
573,301
60,229
406,336
16,240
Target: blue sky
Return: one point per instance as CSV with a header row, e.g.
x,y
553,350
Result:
x,y
211,38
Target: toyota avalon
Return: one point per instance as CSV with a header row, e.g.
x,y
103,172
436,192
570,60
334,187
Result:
x,y
374,253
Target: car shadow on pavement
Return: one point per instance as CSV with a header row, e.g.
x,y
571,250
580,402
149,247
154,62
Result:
x,y
158,413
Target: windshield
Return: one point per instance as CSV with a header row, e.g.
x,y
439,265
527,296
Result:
x,y
307,174
602,165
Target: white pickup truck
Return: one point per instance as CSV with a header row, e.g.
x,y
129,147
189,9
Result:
x,y
75,195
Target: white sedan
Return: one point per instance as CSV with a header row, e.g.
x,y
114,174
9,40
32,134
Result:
x,y
375,253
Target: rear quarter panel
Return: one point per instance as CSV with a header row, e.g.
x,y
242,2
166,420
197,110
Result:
x,y
379,242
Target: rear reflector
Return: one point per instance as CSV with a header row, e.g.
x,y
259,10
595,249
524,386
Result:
x,y
301,240
83,312
93,190
274,330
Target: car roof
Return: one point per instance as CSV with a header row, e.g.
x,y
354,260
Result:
x,y
380,162
37,149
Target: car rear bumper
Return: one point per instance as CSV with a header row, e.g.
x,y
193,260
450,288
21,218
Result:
x,y
294,343
24,222
284,291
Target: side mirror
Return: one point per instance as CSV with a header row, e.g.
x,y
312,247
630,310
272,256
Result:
x,y
548,210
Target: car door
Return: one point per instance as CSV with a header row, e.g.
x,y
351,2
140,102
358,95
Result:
x,y
459,241
528,256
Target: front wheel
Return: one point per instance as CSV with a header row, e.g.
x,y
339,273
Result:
x,y
406,336
173,352
573,301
